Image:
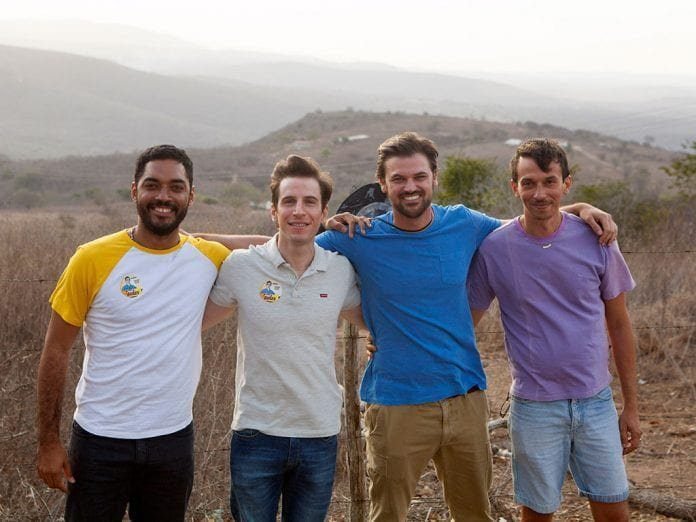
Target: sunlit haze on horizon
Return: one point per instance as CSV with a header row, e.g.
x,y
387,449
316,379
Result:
x,y
466,36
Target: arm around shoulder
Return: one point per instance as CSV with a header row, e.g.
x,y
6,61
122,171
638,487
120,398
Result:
x,y
599,221
233,241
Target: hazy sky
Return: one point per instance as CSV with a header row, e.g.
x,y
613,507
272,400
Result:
x,y
459,35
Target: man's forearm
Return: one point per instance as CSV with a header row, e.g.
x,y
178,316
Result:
x,y
53,367
477,315
624,350
233,241
50,387
354,316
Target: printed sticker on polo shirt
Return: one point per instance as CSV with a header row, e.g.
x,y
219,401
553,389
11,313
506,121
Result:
x,y
270,291
130,286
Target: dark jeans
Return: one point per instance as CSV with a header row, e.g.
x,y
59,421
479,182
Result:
x,y
152,476
264,467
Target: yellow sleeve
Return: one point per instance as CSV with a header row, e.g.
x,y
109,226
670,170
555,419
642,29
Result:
x,y
85,274
213,250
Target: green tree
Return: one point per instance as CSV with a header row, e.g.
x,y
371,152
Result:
x,y
683,172
477,183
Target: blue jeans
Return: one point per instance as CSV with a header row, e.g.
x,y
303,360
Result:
x,y
265,467
152,476
550,437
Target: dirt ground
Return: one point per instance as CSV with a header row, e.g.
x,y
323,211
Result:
x,y
665,463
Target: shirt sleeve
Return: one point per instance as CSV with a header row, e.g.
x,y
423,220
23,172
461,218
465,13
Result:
x,y
617,277
75,289
224,290
353,294
325,241
486,225
478,286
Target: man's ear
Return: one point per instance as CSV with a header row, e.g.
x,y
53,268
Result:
x,y
134,191
513,187
567,183
192,195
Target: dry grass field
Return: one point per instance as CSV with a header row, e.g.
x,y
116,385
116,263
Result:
x,y
36,246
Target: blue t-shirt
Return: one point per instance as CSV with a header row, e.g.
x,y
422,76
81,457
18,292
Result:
x,y
415,304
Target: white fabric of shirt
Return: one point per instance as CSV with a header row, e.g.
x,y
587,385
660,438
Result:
x,y
142,334
286,338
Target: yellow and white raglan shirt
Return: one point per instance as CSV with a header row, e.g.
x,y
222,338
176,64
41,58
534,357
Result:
x,y
141,312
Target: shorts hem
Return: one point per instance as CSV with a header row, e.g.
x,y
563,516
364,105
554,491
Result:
x,y
544,509
605,499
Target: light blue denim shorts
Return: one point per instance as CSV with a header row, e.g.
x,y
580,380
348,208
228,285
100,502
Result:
x,y
548,438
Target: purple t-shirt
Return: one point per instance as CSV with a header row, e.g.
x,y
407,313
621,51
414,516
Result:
x,y
551,293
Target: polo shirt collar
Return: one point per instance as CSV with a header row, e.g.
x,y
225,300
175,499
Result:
x,y
271,252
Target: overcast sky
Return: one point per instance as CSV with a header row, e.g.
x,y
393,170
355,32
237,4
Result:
x,y
624,36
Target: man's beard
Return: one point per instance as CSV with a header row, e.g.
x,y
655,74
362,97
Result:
x,y
161,229
412,212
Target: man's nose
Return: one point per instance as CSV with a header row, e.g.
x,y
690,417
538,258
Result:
x,y
164,193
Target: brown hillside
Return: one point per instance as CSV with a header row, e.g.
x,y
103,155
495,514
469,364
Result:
x,y
327,137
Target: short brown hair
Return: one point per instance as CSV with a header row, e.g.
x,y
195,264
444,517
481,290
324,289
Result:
x,y
299,167
404,145
543,151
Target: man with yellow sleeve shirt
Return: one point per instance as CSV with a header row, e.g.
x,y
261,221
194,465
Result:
x,y
139,296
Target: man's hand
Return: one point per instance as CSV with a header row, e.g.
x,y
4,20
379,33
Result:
x,y
346,222
601,223
629,426
370,347
53,466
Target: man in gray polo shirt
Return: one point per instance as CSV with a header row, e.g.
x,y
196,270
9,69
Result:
x,y
288,294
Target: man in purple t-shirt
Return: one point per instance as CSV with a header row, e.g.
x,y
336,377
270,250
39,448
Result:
x,y
557,289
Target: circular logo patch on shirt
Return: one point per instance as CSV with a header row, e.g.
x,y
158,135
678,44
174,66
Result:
x,y
130,286
270,291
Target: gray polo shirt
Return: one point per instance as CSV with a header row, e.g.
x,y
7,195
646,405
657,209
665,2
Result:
x,y
286,338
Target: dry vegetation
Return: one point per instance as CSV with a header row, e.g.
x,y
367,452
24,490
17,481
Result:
x,y
36,246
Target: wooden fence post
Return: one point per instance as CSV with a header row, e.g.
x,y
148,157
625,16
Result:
x,y
354,440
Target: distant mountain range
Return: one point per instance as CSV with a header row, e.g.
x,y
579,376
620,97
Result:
x,y
145,88
344,143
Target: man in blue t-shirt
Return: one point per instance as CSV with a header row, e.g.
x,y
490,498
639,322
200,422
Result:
x,y
424,387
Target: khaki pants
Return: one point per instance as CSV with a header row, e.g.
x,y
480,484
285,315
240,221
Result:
x,y
401,440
